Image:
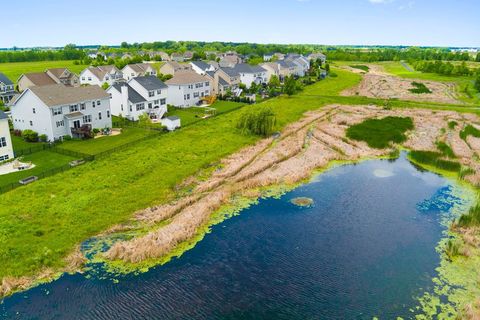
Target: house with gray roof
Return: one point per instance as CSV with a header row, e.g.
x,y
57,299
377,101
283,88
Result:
x,y
57,110
226,80
250,74
6,147
187,89
100,75
138,70
201,67
139,96
7,89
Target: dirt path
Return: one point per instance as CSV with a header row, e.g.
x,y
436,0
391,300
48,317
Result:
x,y
304,146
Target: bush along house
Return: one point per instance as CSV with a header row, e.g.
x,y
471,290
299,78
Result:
x,y
58,111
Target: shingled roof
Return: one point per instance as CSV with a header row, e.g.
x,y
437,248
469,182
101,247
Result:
x,y
186,77
57,94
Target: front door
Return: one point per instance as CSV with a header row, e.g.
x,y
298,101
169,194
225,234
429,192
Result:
x,y
76,124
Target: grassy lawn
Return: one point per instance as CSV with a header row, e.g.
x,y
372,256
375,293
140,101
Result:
x,y
190,115
95,146
43,161
20,144
13,70
42,222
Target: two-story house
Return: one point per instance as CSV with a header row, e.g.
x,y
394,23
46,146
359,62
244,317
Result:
x,y
131,71
49,77
226,80
171,67
100,75
6,147
58,111
187,89
63,76
251,74
7,89
139,96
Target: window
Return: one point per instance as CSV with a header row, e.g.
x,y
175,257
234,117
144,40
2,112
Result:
x,y
83,78
93,104
207,84
156,102
74,108
31,123
108,113
34,110
60,123
186,96
82,106
3,142
89,78
87,119
5,157
196,94
163,101
159,91
57,111
99,116
140,106
149,105
151,93
98,102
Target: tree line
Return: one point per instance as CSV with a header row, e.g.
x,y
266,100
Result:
x,y
69,52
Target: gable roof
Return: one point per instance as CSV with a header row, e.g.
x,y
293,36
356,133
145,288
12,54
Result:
x,y
231,72
101,71
39,78
150,83
139,67
58,94
186,77
247,68
58,72
4,79
201,64
133,96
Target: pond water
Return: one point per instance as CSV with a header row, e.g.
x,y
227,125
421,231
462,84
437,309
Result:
x,y
364,248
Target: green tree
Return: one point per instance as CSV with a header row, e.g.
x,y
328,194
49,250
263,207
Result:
x,y
290,85
477,82
105,86
257,120
478,57
274,82
327,67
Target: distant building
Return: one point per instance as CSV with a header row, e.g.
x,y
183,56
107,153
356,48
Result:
x,y
177,57
172,67
100,75
57,111
229,60
6,147
250,74
140,95
50,76
187,89
317,56
7,89
201,67
225,80
138,70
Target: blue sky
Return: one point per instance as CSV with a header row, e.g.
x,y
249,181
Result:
x,y
387,22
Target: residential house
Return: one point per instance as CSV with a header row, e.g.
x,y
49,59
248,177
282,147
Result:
x,y
138,96
127,56
58,111
7,89
302,64
100,75
286,68
229,60
187,89
268,56
138,70
6,147
201,67
164,56
177,57
272,69
159,54
172,67
63,76
49,77
317,56
226,80
214,64
251,74
188,55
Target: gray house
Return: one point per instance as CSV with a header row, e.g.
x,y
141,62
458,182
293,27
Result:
x,y
7,89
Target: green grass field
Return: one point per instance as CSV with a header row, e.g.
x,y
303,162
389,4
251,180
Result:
x,y
44,221
191,115
20,144
95,146
14,70
43,161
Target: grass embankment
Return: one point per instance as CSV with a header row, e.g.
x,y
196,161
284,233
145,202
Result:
x,y
380,133
419,88
360,67
13,70
43,222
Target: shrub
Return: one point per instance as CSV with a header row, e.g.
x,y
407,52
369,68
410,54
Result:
x,y
434,159
452,248
30,135
95,131
469,131
419,88
379,133
452,124
66,138
445,150
43,138
472,218
259,121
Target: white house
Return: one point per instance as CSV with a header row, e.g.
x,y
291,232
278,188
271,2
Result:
x,y
302,64
251,74
100,75
138,96
57,110
201,67
138,70
7,89
186,89
6,147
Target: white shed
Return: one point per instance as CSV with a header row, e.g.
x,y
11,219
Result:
x,y
172,122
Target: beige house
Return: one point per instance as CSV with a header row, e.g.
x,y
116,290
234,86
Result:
x,y
226,79
49,77
171,67
131,71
